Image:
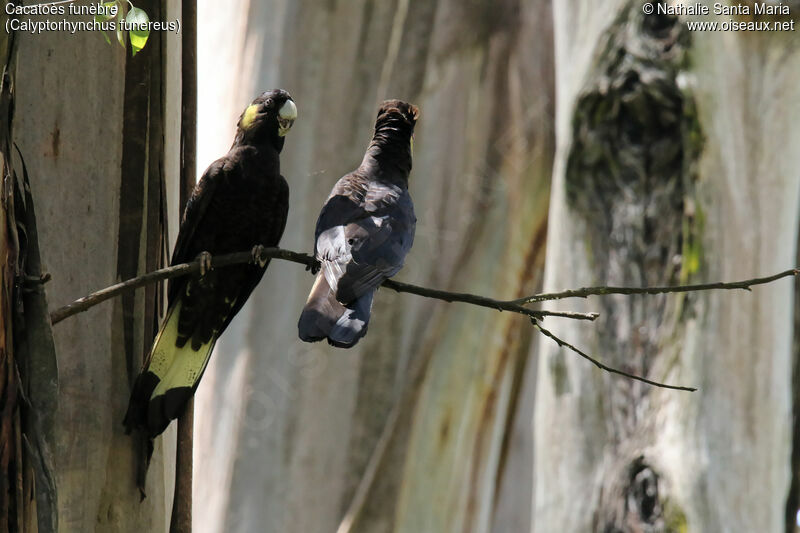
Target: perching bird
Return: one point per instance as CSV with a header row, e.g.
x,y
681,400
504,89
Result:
x,y
363,233
240,202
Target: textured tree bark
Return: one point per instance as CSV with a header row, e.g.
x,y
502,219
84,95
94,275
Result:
x,y
181,520
99,131
12,465
287,428
28,366
672,165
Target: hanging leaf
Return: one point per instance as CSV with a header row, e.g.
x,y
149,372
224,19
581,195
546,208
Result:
x,y
120,35
140,32
120,18
109,20
108,14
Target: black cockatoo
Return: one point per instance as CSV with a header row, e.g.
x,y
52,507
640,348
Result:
x,y
363,233
240,202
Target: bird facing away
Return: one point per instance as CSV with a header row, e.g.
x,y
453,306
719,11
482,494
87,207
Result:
x,y
363,233
240,202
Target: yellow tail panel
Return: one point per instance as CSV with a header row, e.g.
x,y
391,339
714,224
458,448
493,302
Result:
x,y
176,367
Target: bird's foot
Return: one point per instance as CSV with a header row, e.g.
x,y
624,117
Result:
x,y
313,267
258,255
205,263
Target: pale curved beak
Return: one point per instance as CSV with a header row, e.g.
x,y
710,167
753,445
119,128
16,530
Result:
x,y
287,114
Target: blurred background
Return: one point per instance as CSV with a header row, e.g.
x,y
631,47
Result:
x,y
560,145
437,382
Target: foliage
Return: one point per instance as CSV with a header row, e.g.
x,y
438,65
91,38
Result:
x,y
126,17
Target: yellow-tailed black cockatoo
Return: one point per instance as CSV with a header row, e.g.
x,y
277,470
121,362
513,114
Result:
x,y
363,233
240,202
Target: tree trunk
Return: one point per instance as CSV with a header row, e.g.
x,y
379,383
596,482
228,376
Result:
x,y
289,428
673,165
99,131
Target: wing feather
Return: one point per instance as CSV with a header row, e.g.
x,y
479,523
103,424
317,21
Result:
x,y
363,239
196,209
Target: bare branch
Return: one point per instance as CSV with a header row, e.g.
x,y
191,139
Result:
x,y
87,302
607,368
514,306
599,291
482,301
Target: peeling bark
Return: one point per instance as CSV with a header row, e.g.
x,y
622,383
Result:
x,y
28,370
12,467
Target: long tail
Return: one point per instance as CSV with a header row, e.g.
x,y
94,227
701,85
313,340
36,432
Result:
x,y
325,317
168,380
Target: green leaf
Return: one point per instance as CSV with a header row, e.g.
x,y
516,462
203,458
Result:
x,y
107,16
119,19
140,33
120,35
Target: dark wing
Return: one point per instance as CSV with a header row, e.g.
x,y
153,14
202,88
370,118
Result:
x,y
196,208
234,207
278,225
362,243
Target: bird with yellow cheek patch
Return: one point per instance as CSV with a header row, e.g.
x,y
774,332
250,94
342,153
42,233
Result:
x,y
240,203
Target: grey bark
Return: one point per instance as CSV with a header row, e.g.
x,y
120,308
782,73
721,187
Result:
x,y
669,167
285,429
70,116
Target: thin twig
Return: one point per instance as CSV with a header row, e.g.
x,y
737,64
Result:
x,y
87,302
599,291
607,368
482,301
